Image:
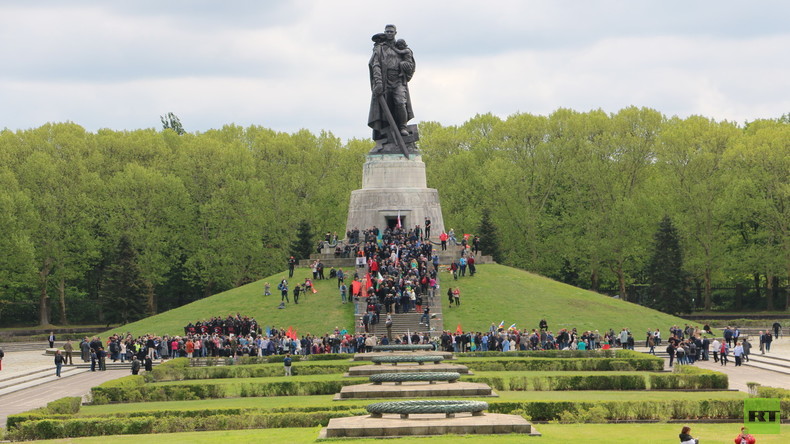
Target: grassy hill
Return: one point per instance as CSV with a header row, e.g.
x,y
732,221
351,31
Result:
x,y
497,293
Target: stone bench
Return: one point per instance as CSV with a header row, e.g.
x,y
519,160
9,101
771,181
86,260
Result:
x,y
394,360
406,408
430,377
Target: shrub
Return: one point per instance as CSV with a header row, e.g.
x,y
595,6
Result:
x,y
772,392
68,405
686,377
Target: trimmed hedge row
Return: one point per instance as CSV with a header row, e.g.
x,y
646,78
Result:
x,y
104,394
686,377
77,427
180,372
62,426
552,383
246,360
570,364
557,354
629,410
772,392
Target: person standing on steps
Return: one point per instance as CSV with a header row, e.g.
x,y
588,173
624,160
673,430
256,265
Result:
x,y
58,363
388,324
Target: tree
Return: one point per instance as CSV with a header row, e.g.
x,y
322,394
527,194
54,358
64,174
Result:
x,y
668,282
124,289
171,121
489,238
302,246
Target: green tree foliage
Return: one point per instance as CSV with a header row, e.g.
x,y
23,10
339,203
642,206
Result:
x,y
573,195
124,290
304,241
489,237
666,277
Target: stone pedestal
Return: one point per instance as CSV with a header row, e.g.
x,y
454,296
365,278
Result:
x,y
427,425
393,185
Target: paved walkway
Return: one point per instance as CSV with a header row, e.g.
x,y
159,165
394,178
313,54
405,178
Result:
x,y
17,364
739,376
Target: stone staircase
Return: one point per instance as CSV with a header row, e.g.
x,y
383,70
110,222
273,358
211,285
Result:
x,y
327,257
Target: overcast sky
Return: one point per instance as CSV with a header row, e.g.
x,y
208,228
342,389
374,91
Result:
x,y
288,65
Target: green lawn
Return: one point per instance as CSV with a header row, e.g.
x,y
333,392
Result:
x,y
552,434
497,293
326,400
318,313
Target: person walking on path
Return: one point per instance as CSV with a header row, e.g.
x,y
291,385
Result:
x,y
715,346
723,353
777,329
738,353
287,364
51,339
69,349
58,363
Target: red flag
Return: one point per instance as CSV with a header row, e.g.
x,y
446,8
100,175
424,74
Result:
x,y
291,333
368,281
458,330
356,288
398,226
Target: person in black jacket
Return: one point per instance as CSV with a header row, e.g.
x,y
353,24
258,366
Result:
x,y
58,363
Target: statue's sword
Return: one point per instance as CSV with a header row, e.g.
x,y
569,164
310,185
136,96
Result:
x,y
393,128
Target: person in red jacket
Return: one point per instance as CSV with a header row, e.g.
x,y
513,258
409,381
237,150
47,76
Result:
x,y
744,437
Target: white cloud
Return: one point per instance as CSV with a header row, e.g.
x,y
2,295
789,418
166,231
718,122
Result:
x,y
301,64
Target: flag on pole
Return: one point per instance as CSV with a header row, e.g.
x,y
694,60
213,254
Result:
x,y
512,327
291,333
268,331
502,324
398,225
458,330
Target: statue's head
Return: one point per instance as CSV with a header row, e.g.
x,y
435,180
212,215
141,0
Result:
x,y
390,31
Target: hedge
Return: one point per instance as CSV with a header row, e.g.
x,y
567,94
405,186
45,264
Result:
x,y
179,372
183,392
231,419
569,364
772,392
686,377
731,409
557,354
77,427
560,382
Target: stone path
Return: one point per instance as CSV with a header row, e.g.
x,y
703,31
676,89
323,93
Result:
x,y
739,376
22,366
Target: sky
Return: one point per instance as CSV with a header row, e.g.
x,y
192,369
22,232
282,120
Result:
x,y
291,65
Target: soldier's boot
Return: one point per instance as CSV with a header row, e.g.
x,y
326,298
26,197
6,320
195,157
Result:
x,y
401,117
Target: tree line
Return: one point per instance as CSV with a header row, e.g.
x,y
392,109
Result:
x,y
115,225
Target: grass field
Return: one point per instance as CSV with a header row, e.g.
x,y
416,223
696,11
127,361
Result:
x,y
552,434
497,293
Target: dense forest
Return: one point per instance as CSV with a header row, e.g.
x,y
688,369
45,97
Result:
x,y
114,225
